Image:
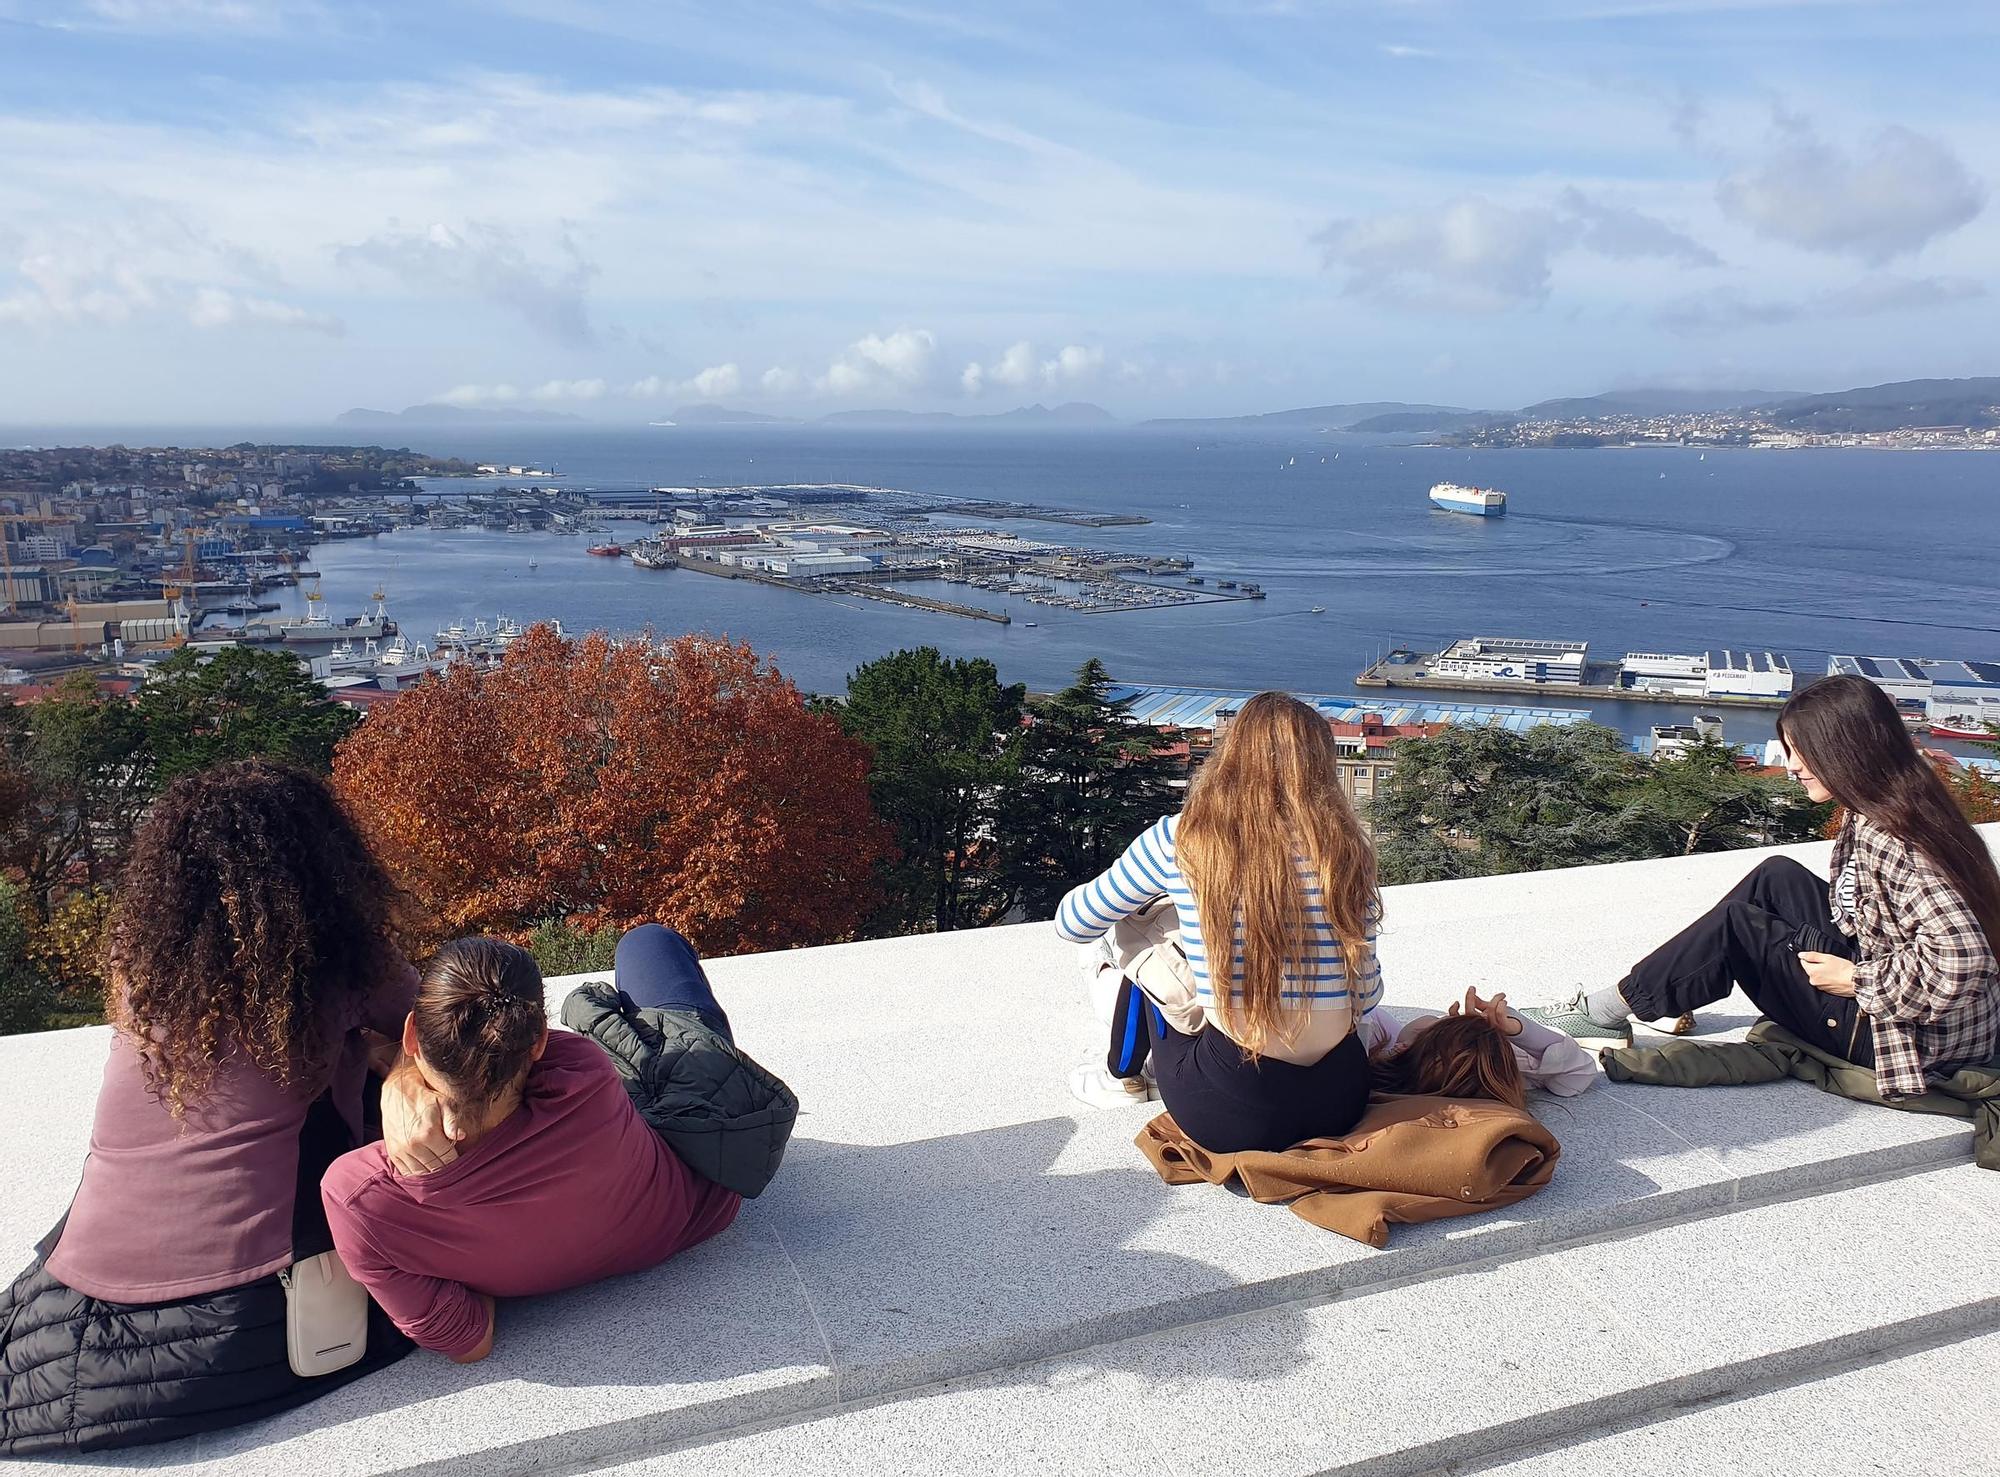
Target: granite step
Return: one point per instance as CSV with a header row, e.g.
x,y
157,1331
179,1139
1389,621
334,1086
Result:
x,y
1465,1369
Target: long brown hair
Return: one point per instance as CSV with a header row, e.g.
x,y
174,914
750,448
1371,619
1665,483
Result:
x,y
479,1013
1453,1056
1265,818
1850,736
252,919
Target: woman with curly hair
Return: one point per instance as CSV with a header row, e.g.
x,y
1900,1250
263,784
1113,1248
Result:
x,y
253,945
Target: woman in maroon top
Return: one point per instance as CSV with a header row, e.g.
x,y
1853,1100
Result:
x,y
252,948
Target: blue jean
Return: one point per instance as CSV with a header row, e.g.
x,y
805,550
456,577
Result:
x,y
657,969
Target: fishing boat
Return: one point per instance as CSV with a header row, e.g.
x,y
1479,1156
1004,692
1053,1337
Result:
x,y
1962,726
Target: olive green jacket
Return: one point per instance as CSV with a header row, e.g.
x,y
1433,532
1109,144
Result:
x,y
1770,1052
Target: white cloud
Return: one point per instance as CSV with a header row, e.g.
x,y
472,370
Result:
x,y
1899,192
779,380
1477,255
590,389
480,395
1732,310
1473,254
1015,366
1018,368
1072,363
899,360
715,382
216,307
484,260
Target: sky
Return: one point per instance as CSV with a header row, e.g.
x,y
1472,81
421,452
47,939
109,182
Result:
x,y
272,210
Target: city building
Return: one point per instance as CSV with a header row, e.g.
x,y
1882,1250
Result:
x,y
1513,659
1671,739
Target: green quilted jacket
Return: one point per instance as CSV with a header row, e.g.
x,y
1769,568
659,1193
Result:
x,y
1771,1052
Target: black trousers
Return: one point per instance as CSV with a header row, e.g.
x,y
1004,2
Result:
x,y
1227,1104
1752,938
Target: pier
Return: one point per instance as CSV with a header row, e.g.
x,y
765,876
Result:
x,y
843,585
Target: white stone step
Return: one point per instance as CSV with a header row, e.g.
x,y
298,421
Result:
x,y
1925,1411
1464,1366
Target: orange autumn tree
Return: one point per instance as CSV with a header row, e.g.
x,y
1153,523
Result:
x,y
615,782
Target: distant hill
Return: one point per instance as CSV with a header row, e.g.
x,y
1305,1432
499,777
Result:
x,y
722,415
448,415
1322,417
1959,402
1075,413
1651,402
1426,420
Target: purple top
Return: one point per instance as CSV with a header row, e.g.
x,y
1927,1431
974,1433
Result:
x,y
173,1209
571,1187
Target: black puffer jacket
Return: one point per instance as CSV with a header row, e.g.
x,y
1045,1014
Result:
x,y
78,1373
725,1116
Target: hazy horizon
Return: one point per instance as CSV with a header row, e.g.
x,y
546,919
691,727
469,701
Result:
x,y
270,211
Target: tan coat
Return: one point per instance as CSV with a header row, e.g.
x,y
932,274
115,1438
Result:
x,y
1410,1159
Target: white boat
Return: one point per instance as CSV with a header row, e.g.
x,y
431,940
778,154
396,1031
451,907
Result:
x,y
1480,502
1317,610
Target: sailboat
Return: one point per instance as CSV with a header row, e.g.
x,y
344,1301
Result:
x,y
532,565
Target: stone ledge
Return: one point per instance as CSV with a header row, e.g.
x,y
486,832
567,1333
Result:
x,y
1472,1364
947,1209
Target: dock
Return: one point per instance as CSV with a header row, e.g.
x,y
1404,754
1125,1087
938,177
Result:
x,y
843,585
1409,675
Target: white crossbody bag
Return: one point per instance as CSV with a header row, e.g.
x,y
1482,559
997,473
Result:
x,y
326,1315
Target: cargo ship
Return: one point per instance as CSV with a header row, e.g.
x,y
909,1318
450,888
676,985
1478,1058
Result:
x,y
1480,502
608,551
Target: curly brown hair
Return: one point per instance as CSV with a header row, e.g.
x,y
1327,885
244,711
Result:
x,y
252,919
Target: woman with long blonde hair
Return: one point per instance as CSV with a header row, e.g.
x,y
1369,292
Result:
x,y
1272,882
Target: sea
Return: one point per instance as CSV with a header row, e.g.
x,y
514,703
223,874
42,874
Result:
x,y
1803,552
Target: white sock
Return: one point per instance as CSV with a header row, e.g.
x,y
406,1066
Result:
x,y
1607,1007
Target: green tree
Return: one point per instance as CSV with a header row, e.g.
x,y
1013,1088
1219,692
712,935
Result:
x,y
74,779
1475,800
1088,778
238,704
939,729
25,998
1700,800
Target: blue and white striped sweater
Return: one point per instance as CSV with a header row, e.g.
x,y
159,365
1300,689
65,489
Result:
x,y
1148,870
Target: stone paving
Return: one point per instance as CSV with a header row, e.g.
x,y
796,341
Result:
x,y
961,1267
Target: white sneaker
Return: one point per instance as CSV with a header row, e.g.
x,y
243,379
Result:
x,y
1091,1083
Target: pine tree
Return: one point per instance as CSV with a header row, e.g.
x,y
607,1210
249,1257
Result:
x,y
1088,778
940,767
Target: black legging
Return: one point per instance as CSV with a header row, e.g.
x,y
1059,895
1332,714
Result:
x,y
1752,938
1227,1103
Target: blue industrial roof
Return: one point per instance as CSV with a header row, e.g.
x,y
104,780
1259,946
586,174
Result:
x,y
1196,707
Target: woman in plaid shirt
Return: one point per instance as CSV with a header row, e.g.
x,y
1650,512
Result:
x,y
1891,964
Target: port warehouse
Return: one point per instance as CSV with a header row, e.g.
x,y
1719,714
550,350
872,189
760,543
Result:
x,y
1936,689
1531,662
1939,689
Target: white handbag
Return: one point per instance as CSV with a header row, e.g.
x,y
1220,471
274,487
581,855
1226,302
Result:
x,y
326,1315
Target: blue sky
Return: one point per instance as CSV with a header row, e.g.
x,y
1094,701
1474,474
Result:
x,y
275,209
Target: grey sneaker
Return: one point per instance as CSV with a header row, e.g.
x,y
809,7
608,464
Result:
x,y
1570,1018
